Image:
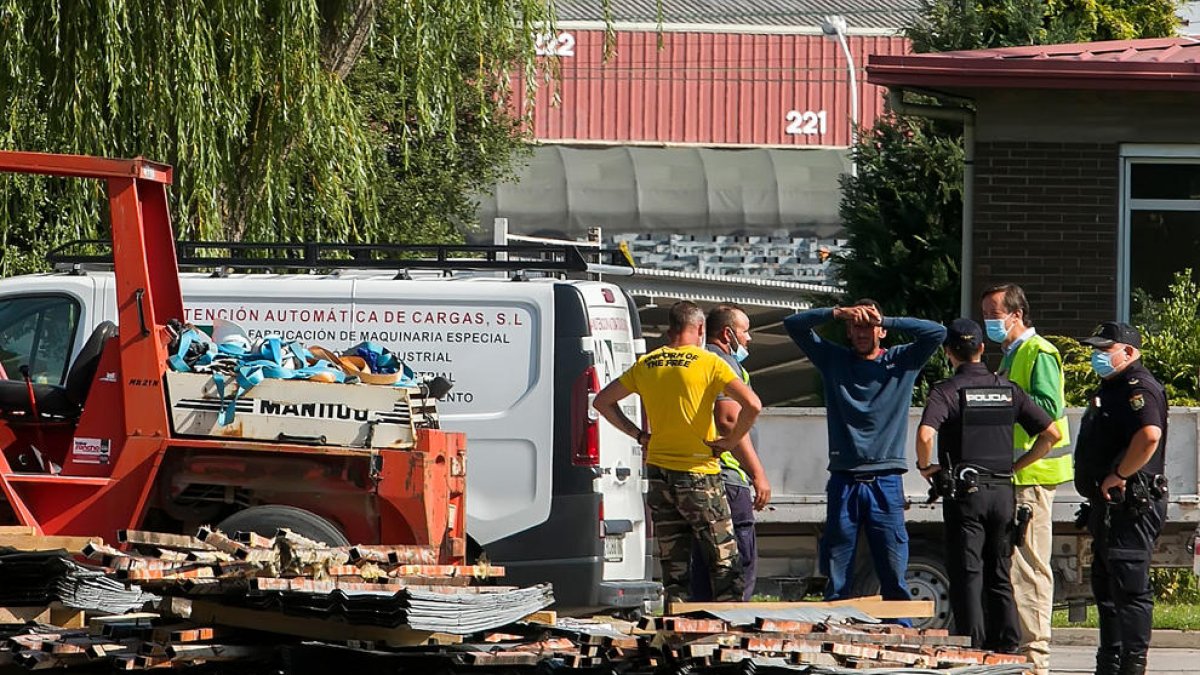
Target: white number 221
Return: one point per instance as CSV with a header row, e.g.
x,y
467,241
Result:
x,y
805,123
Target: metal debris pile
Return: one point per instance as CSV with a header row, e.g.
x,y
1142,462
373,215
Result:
x,y
136,641
255,604
656,646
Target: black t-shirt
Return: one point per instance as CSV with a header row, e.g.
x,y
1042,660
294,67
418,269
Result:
x,y
943,410
1119,408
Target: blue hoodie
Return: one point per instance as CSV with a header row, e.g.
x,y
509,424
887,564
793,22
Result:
x,y
867,400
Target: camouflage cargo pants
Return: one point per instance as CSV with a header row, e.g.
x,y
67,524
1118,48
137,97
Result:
x,y
688,506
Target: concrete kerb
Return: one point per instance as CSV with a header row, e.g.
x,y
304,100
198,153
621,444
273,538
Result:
x,y
1161,639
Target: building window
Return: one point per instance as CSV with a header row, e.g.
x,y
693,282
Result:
x,y
1160,220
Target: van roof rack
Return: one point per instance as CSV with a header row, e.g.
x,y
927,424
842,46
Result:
x,y
97,254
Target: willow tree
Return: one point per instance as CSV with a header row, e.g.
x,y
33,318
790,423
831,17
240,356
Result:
x,y
249,100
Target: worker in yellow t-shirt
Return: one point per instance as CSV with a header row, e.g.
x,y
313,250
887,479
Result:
x,y
678,384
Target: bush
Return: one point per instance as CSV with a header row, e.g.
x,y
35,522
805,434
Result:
x,y
1080,380
1175,586
1171,338
1170,346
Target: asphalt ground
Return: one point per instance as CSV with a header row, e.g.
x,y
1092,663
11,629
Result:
x,y
1163,661
1073,650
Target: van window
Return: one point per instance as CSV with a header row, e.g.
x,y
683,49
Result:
x,y
38,332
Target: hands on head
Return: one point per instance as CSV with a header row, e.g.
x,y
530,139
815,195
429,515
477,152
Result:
x,y
863,315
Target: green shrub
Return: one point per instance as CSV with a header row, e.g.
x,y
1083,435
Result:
x,y
1175,585
1170,346
1171,338
1080,380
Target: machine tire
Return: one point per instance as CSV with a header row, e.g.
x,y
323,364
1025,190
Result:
x,y
265,520
927,580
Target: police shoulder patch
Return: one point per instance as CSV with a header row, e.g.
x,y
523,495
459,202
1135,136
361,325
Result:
x,y
1137,402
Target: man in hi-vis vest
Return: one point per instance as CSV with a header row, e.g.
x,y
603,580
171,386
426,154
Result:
x,y
1034,365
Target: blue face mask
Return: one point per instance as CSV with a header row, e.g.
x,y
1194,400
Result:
x,y
1102,363
996,331
741,352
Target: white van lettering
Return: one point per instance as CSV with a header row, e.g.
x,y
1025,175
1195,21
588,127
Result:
x,y
459,397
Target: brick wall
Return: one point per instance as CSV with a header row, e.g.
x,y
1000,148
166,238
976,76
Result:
x,y
1046,218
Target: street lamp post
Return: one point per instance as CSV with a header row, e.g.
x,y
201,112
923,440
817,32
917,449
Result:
x,y
834,27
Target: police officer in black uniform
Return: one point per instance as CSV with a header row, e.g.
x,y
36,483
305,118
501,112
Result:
x,y
973,414
1119,469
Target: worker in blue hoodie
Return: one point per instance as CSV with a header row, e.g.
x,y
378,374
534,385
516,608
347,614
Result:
x,y
868,391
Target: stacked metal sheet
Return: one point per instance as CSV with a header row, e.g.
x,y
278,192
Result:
x,y
459,610
42,577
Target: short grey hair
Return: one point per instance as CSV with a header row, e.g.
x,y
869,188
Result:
x,y
684,314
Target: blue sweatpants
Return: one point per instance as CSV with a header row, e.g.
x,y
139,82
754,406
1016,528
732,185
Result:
x,y
874,504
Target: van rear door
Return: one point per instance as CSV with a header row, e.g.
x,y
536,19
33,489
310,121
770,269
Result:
x,y
492,340
616,348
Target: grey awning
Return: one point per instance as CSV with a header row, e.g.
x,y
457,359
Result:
x,y
563,191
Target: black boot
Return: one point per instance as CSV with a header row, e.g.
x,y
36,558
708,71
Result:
x,y
1108,661
1133,663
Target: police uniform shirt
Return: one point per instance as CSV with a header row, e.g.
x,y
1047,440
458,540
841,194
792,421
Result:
x,y
943,409
1119,408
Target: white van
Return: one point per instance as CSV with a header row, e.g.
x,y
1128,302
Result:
x,y
553,493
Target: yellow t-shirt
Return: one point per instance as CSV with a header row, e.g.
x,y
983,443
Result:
x,y
678,387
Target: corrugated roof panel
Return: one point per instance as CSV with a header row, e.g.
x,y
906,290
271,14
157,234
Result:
x,y
883,14
1161,64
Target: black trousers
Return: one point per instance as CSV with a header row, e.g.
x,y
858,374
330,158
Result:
x,y
979,530
1121,573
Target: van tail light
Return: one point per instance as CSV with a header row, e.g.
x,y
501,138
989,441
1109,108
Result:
x,y
585,450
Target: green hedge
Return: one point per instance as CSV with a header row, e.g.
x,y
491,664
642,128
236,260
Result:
x,y
1170,345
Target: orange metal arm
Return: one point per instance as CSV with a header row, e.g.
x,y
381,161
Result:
x,y
81,166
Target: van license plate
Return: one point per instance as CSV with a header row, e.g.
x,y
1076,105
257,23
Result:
x,y
614,548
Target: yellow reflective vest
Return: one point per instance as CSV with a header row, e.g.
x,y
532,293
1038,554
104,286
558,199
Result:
x,y
727,457
1056,467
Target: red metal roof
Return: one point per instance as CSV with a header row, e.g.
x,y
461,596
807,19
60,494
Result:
x,y
1171,64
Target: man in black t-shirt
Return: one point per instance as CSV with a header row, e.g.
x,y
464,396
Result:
x,y
972,415
1119,459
